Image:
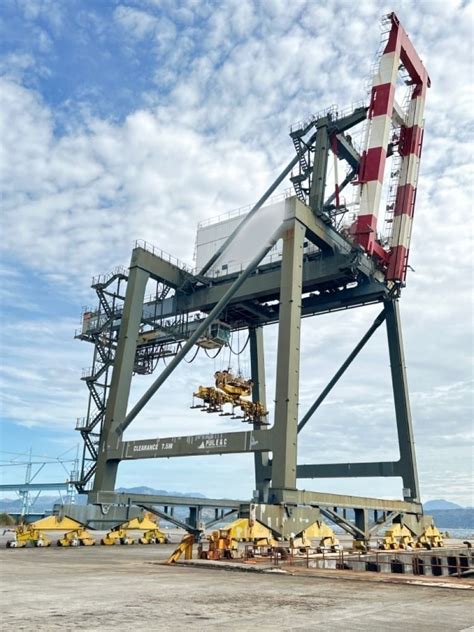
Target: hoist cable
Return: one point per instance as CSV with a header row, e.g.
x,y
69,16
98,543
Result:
x,y
214,356
237,353
194,356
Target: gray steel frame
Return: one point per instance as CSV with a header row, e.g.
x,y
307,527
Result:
x,y
275,478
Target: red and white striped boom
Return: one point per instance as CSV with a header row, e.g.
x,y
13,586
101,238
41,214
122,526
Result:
x,y
383,115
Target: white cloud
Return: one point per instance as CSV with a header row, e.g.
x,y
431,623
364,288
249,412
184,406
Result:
x,y
92,191
38,380
138,24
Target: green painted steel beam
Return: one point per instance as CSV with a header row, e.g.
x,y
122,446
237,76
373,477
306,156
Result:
x,y
348,470
288,358
124,364
158,268
130,498
257,370
408,469
319,499
320,164
193,445
265,286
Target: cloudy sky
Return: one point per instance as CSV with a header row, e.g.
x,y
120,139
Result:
x,y
137,119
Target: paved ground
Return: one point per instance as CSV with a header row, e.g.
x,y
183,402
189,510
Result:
x,y
123,588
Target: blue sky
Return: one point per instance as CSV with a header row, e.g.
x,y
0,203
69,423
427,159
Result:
x,y
128,120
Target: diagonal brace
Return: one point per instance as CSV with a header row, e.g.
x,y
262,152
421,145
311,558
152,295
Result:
x,y
215,312
348,526
375,325
388,518
249,216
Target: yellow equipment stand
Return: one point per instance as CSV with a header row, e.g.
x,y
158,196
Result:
x,y
431,538
399,537
321,535
27,535
33,534
244,530
120,535
77,537
223,543
117,536
185,547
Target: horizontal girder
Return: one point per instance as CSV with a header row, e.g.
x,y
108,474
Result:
x,y
194,445
311,499
348,470
320,499
121,498
34,487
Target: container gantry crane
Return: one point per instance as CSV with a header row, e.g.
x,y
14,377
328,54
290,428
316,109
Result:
x,y
333,258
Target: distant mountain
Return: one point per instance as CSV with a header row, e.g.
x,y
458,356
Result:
x,y
462,518
45,503
157,492
440,504
42,504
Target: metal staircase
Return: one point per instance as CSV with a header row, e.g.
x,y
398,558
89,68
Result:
x,y
110,294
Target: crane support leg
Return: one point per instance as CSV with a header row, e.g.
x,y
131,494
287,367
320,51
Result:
x,y
117,402
288,363
407,463
257,362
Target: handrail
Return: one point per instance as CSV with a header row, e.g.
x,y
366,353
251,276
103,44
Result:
x,y
145,245
242,210
103,278
333,110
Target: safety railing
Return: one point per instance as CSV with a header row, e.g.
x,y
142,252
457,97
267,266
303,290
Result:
x,y
158,252
273,257
81,423
437,562
101,279
333,110
243,210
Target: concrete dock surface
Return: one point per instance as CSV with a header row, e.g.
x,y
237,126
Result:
x,y
126,587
